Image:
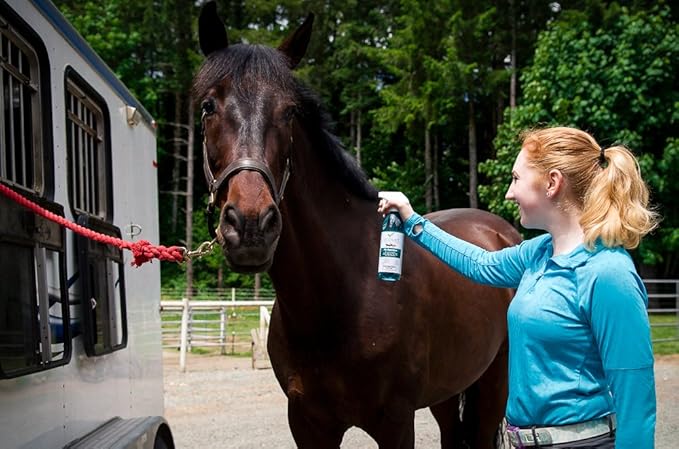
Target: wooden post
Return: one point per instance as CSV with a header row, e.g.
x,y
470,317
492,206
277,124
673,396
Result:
x,y
263,326
183,334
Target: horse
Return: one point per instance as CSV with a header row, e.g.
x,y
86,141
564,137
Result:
x,y
346,348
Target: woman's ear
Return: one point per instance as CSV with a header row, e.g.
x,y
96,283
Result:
x,y
555,182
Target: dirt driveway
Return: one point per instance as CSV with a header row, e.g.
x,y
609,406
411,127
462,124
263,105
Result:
x,y
222,403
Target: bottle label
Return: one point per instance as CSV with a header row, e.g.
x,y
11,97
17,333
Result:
x,y
391,250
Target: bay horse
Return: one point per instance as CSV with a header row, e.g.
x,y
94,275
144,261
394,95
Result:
x,y
346,348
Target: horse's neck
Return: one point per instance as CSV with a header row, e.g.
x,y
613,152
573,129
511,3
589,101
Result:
x,y
321,234
327,241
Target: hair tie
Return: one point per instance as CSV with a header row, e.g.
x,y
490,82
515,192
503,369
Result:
x,y
602,158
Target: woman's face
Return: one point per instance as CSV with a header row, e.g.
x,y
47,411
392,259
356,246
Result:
x,y
529,190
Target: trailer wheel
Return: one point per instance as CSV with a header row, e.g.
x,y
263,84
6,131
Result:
x,y
163,439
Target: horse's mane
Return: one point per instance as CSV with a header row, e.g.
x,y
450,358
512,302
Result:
x,y
245,65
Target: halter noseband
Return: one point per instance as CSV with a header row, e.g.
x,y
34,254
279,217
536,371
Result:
x,y
246,163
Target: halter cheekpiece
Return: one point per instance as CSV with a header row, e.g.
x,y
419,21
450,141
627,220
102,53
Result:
x,y
245,163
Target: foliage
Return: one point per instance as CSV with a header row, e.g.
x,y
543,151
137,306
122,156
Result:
x,y
616,79
125,35
413,68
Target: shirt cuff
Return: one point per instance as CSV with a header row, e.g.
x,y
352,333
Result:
x,y
411,222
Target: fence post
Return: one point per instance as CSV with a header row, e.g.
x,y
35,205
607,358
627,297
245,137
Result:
x,y
263,325
189,330
676,306
222,330
183,334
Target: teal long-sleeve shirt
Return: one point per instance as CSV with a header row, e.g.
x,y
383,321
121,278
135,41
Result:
x,y
579,336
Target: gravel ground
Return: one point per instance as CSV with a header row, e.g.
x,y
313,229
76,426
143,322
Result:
x,y
221,402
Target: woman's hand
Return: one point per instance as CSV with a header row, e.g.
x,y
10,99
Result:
x,y
398,200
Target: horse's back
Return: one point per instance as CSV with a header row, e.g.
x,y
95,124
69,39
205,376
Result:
x,y
482,228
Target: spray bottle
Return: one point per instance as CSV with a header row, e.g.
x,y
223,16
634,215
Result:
x,y
391,247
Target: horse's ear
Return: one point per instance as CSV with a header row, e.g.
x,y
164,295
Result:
x,y
294,46
211,31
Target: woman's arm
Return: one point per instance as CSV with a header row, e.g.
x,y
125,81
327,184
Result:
x,y
620,325
503,268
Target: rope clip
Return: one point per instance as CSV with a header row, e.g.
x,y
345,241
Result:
x,y
203,249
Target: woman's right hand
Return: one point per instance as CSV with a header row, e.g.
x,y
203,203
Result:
x,y
398,200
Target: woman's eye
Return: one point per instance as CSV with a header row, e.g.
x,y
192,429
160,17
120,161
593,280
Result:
x,y
208,106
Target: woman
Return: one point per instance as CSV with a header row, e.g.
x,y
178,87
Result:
x,y
580,355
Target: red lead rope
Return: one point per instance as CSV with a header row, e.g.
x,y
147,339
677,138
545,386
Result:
x,y
143,251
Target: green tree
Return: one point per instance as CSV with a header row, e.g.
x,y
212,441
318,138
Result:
x,y
415,94
614,75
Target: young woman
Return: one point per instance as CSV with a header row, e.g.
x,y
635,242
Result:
x,y
580,355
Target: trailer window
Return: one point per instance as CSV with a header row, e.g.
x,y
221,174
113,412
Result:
x,y
35,329
89,172
21,146
34,312
102,290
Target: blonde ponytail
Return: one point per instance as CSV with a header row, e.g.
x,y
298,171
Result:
x,y
616,204
605,184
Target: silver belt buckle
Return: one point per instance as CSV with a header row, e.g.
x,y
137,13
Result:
x,y
529,437
514,434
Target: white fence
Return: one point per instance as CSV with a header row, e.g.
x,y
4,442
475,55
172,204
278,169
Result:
x,y
237,323
236,326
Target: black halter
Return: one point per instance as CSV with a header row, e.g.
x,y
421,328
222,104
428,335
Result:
x,y
246,163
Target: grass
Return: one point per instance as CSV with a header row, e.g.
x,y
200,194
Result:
x,y
665,326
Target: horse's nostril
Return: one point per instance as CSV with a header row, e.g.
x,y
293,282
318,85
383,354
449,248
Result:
x,y
267,219
232,217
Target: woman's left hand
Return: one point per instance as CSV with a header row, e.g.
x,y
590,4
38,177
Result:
x,y
398,200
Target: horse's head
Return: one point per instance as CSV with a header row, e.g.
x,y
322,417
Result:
x,y
248,104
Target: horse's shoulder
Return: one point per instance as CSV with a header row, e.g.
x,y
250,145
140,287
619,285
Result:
x,y
477,226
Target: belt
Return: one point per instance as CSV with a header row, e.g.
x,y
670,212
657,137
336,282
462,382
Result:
x,y
542,436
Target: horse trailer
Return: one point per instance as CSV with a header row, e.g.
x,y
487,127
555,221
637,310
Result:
x,y
80,333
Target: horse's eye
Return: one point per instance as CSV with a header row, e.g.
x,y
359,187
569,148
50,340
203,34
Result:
x,y
289,114
208,106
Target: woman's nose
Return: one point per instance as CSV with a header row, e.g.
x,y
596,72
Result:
x,y
509,195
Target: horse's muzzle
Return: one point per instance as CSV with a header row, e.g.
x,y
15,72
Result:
x,y
249,241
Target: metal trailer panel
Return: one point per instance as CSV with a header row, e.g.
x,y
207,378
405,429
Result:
x,y
54,407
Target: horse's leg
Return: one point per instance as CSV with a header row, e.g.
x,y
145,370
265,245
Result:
x,y
447,415
395,428
485,404
483,410
313,431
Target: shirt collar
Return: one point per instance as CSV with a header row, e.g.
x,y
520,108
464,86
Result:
x,y
579,256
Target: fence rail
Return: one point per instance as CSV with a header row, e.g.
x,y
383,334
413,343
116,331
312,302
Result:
x,y
663,308
239,324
